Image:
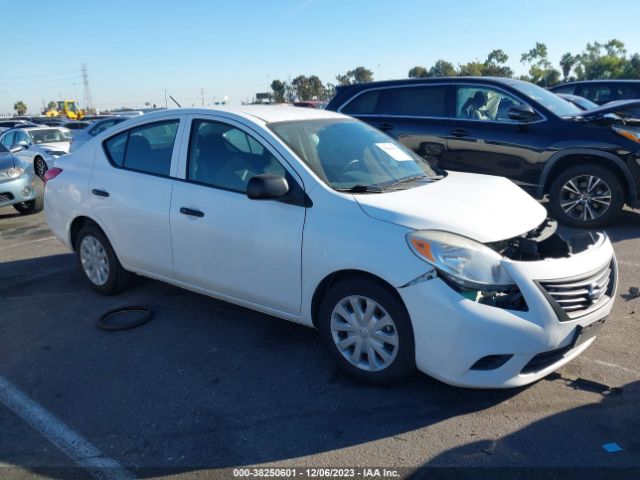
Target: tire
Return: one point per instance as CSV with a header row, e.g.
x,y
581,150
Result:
x,y
40,167
401,357
570,208
115,279
37,204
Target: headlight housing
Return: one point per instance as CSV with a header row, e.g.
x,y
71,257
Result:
x,y
13,172
55,153
630,133
467,262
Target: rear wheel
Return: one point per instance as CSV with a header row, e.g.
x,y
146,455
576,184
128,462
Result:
x,y
40,167
367,331
98,262
586,196
37,204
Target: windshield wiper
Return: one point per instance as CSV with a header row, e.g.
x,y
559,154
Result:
x,y
410,180
361,189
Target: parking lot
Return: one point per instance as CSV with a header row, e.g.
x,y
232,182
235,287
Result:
x,y
208,385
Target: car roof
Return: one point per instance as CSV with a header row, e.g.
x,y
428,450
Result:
x,y
587,82
262,113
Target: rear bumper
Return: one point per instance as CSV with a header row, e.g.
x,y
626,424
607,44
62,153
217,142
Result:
x,y
452,333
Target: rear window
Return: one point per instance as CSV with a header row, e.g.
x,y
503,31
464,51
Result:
x,y
417,101
366,103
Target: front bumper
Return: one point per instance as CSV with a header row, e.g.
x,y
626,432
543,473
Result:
x,y
452,332
17,190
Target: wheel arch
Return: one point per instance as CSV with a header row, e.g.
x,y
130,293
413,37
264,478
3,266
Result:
x,y
566,158
340,275
76,226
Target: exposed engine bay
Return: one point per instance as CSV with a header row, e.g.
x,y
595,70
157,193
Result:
x,y
543,242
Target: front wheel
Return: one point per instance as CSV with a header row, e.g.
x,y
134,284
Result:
x,y
98,262
367,331
40,167
586,196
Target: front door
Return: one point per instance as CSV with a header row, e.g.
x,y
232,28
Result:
x,y
225,242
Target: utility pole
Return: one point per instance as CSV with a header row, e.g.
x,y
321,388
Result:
x,y
202,95
165,99
87,100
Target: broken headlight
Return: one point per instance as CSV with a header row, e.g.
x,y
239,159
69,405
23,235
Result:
x,y
468,263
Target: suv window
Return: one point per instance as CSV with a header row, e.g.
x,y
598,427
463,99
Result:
x,y
417,101
366,103
628,92
597,93
147,148
226,157
482,103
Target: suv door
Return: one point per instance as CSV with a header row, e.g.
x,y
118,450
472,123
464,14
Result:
x,y
223,241
131,186
486,140
416,115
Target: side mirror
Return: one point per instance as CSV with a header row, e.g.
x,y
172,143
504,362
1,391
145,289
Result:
x,y
267,186
21,145
522,113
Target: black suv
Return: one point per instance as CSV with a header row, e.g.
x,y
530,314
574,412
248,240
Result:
x,y
588,162
601,91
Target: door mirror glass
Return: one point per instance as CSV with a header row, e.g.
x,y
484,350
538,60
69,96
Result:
x,y
16,148
522,113
267,186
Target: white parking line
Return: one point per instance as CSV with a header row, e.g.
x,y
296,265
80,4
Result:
x,y
73,445
15,245
618,367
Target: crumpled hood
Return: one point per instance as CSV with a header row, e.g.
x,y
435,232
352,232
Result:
x,y
617,106
482,207
57,146
7,160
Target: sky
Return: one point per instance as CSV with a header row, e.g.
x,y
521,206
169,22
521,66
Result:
x,y
135,50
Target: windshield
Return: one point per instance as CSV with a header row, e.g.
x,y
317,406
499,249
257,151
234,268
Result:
x,y
51,135
348,154
547,99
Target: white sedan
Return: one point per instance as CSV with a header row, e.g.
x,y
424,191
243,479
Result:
x,y
39,146
317,218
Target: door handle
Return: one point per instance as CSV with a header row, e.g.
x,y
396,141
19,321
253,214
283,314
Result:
x,y
191,212
100,193
459,132
384,126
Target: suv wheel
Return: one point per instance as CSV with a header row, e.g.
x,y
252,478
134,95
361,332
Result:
x,y
367,331
586,196
98,262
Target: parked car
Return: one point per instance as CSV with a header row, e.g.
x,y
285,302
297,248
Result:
x,y
49,121
580,102
6,124
38,146
76,125
585,163
18,184
401,265
311,104
601,91
99,126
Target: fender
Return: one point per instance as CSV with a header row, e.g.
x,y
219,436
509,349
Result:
x,y
606,156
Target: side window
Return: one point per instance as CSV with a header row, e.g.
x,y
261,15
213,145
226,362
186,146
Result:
x,y
628,92
366,103
101,127
486,104
226,157
115,147
568,89
7,140
21,137
597,93
417,101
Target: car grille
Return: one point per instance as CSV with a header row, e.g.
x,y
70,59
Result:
x,y
6,197
576,297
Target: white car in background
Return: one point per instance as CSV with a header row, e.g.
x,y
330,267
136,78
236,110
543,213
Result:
x,y
320,219
83,136
39,146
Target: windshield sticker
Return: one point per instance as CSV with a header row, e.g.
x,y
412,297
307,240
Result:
x,y
394,152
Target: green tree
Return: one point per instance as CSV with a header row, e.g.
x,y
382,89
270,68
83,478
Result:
x,y
600,61
442,68
357,75
567,62
278,88
418,72
20,107
308,88
52,105
328,92
495,65
471,69
541,71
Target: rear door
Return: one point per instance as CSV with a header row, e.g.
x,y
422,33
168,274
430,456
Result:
x,y
416,115
131,187
485,140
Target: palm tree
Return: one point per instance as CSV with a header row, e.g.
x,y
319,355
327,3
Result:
x,y
20,107
566,64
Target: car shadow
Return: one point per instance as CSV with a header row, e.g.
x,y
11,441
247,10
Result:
x,y
205,384
594,432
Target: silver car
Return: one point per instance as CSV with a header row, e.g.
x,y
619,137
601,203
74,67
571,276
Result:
x,y
19,186
81,137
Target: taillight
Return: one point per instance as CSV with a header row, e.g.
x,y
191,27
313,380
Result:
x,y
51,174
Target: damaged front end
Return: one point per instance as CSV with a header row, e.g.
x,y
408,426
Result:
x,y
543,242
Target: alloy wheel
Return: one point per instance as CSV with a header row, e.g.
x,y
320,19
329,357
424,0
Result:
x,y
41,168
585,197
364,333
95,262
